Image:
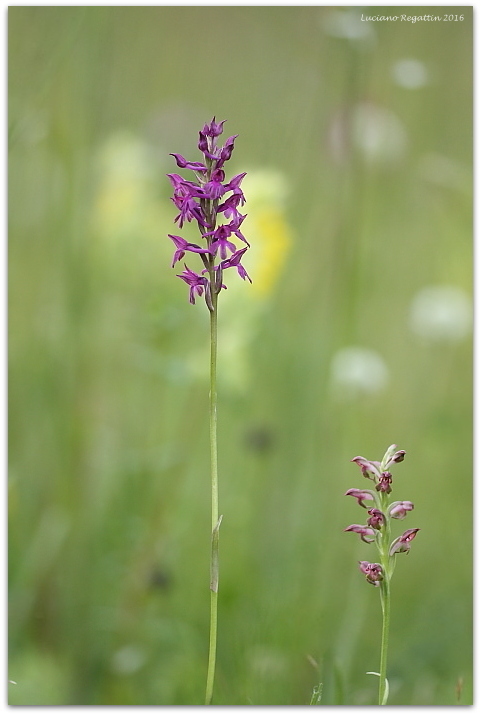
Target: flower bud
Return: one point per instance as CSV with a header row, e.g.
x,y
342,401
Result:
x,y
203,145
399,509
227,149
393,454
214,129
398,456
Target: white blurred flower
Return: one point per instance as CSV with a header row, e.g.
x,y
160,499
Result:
x,y
441,313
127,660
358,371
378,133
410,73
347,24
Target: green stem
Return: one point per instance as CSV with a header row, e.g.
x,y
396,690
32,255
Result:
x,y
385,602
386,613
214,564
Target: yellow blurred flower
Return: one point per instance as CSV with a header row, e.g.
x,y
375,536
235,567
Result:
x,y
267,230
242,305
271,238
126,204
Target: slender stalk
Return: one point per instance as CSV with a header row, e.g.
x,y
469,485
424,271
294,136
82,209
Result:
x,y
385,601
214,564
386,613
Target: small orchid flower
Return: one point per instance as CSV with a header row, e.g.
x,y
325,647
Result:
x,y
234,226
399,509
371,470
182,246
229,206
184,198
214,188
197,283
234,186
222,245
361,495
363,531
384,484
184,164
234,260
376,519
220,242
373,572
403,542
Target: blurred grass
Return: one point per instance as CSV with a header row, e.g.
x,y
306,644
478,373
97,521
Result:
x,y
108,457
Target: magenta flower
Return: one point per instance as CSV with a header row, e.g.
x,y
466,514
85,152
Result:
x,y
220,242
182,246
234,226
399,509
234,186
361,495
229,207
235,261
363,531
184,196
222,233
196,283
184,164
210,200
373,572
403,542
214,188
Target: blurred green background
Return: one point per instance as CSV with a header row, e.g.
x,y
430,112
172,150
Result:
x,y
356,334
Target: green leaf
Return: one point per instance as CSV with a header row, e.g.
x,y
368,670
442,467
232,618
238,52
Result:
x,y
386,690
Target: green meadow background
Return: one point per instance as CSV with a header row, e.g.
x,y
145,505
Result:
x,y
355,334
